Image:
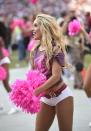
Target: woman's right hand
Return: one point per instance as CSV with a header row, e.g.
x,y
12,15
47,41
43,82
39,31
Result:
x,y
54,88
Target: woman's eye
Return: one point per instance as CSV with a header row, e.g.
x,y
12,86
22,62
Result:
x,y
35,25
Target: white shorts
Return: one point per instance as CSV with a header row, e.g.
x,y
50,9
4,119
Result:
x,y
55,100
4,61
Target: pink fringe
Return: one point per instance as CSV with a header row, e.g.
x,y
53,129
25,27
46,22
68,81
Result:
x,y
22,93
31,44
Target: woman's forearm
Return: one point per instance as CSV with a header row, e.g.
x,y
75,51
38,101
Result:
x,y
86,35
50,82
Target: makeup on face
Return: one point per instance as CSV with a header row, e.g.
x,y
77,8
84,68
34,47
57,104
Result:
x,y
36,31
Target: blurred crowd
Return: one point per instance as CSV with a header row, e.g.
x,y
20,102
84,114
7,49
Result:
x,y
16,31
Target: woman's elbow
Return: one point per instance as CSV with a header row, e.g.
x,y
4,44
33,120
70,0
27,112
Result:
x,y
57,77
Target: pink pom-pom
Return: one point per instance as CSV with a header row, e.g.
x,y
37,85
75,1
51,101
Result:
x,y
3,73
74,27
22,93
22,96
31,44
36,78
33,1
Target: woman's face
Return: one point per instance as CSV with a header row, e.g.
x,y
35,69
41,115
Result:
x,y
37,35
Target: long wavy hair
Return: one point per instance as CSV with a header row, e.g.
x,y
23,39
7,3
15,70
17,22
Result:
x,y
50,33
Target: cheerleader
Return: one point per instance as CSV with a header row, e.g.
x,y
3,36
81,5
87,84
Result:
x,y
49,58
4,64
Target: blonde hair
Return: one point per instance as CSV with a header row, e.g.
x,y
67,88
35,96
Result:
x,y
50,32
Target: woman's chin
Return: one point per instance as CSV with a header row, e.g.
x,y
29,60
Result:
x,y
36,38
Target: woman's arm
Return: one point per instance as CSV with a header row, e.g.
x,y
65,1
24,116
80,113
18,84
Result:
x,y
2,44
32,59
55,77
86,35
